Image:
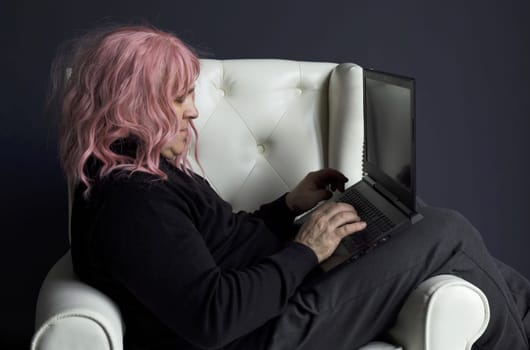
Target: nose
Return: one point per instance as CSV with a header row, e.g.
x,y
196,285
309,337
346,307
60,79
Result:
x,y
191,111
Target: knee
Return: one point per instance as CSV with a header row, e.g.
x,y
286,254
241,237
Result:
x,y
461,229
453,226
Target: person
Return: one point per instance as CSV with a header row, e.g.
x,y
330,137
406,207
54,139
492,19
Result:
x,y
187,272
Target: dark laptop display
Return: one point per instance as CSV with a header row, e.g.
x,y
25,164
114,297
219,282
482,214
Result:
x,y
390,133
385,196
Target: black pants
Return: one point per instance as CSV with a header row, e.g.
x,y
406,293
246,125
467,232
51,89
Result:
x,y
349,307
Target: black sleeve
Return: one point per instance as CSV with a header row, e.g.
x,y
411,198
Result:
x,y
152,248
278,218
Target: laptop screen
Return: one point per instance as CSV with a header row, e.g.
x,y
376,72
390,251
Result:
x,y
389,133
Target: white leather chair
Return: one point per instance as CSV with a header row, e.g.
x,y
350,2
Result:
x,y
274,120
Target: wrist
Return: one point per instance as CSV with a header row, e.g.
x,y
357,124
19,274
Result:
x,y
289,203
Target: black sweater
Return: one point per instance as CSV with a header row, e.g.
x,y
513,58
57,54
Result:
x,y
186,272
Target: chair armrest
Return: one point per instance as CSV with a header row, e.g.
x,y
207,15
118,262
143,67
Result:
x,y
72,315
444,312
346,121
380,346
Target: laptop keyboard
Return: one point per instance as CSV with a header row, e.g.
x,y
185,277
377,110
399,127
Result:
x,y
376,221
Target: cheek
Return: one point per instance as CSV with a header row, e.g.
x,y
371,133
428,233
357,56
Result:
x,y
178,141
173,143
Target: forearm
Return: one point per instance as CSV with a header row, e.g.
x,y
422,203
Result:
x,y
240,301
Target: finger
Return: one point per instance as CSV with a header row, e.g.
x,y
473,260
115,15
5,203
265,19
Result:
x,y
337,186
349,229
324,211
339,180
342,183
324,208
320,195
328,176
343,218
332,208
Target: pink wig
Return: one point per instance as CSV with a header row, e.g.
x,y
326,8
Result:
x,y
122,84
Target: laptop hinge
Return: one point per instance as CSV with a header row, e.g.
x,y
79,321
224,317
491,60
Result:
x,y
388,195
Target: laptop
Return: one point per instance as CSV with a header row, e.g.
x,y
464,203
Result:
x,y
385,197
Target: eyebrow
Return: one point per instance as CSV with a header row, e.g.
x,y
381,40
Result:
x,y
189,92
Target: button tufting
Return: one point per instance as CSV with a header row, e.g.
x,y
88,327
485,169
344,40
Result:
x,y
261,148
298,91
222,92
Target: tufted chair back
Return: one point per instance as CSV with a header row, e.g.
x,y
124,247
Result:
x,y
265,123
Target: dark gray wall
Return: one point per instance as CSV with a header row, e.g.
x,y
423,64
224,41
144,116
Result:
x,y
470,60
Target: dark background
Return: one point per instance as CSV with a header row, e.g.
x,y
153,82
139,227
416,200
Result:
x,y
470,60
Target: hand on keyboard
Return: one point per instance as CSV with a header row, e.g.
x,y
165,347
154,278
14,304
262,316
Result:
x,y
326,226
315,187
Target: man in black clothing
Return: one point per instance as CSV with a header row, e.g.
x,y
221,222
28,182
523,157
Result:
x,y
187,272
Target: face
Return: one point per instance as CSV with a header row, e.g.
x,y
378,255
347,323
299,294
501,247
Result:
x,y
186,111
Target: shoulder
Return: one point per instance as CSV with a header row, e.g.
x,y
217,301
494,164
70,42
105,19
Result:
x,y
130,200
120,182
122,188
143,189
178,189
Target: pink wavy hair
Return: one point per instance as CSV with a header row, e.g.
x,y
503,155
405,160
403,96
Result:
x,y
122,84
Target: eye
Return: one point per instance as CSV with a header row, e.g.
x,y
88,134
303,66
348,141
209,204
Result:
x,y
183,98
